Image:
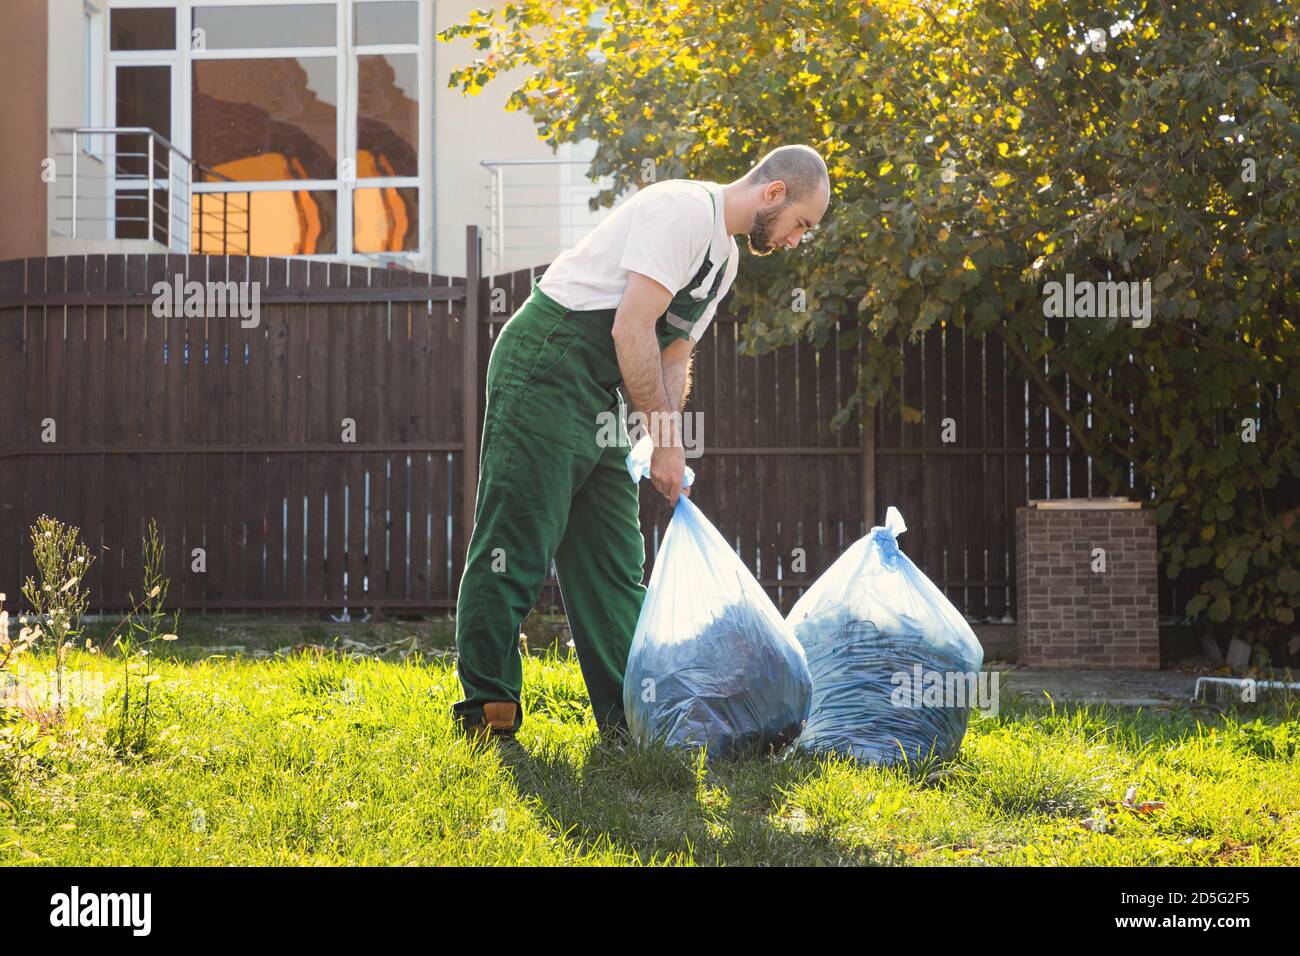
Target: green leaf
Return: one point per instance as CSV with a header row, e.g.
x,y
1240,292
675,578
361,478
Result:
x,y
1235,571
1288,580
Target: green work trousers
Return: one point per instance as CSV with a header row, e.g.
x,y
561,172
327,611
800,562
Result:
x,y
553,485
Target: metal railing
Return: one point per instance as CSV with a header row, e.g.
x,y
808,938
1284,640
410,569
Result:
x,y
519,209
116,170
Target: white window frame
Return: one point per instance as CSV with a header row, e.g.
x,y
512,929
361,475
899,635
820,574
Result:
x,y
94,77
345,53
423,250
116,58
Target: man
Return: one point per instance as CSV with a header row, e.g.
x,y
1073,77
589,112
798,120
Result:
x,y
615,317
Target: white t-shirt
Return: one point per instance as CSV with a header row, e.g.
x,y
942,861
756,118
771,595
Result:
x,y
664,232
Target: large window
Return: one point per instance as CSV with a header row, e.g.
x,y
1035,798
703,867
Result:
x,y
304,117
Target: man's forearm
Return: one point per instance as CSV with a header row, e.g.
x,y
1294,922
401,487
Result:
x,y
677,382
644,376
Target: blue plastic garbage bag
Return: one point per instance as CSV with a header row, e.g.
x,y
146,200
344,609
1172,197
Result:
x,y
712,662
895,666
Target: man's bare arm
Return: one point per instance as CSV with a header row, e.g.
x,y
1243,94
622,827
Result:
x,y
677,371
637,349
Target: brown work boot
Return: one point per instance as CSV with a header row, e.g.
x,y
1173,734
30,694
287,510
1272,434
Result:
x,y
500,716
498,721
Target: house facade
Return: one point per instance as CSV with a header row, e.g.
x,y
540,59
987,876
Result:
x,y
321,129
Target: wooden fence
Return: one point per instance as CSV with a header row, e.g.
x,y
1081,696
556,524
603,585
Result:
x,y
237,439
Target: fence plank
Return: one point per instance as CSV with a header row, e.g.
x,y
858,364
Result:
x,y
1015,415
359,347
296,325
75,468
807,477
379,479
14,433
451,481
994,480
323,400
337,402
271,336
397,379
171,375
114,435
961,404
140,427
56,399
148,335
420,371
198,402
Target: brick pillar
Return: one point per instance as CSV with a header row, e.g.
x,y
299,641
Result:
x,y
1067,614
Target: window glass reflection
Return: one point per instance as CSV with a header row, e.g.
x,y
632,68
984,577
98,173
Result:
x,y
397,22
142,29
386,219
266,119
131,214
144,98
388,116
272,223
270,25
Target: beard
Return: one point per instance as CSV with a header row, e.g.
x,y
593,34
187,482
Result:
x,y
760,234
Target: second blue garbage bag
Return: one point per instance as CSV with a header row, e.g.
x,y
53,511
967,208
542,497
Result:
x,y
712,663
894,665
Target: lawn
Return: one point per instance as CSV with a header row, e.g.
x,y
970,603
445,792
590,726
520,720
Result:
x,y
321,759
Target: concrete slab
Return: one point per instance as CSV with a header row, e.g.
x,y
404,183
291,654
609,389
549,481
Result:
x,y
1122,688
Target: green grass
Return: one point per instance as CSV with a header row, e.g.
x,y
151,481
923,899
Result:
x,y
323,760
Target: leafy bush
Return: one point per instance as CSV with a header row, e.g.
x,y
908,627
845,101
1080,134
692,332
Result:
x,y
978,150
57,596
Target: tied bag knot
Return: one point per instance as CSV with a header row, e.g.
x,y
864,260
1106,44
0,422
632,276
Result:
x,y
886,538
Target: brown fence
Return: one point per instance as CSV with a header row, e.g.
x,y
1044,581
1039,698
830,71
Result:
x,y
234,438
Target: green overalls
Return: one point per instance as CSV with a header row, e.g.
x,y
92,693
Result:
x,y
547,490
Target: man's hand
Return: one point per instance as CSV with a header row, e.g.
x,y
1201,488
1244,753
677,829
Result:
x,y
668,466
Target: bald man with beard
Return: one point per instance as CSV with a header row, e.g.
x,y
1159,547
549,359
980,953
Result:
x,y
614,318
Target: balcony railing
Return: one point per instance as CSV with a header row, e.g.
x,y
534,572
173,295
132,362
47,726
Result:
x,y
131,182
536,209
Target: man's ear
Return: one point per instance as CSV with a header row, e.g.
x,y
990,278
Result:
x,y
774,192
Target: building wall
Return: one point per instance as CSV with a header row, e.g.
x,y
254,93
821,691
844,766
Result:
x,y
22,128
469,129
42,68
64,108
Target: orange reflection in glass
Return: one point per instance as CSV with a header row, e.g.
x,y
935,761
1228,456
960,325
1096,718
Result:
x,y
274,223
385,219
388,115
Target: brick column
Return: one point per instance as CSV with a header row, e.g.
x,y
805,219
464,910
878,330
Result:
x,y
1067,614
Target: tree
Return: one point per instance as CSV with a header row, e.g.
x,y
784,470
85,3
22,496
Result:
x,y
978,150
